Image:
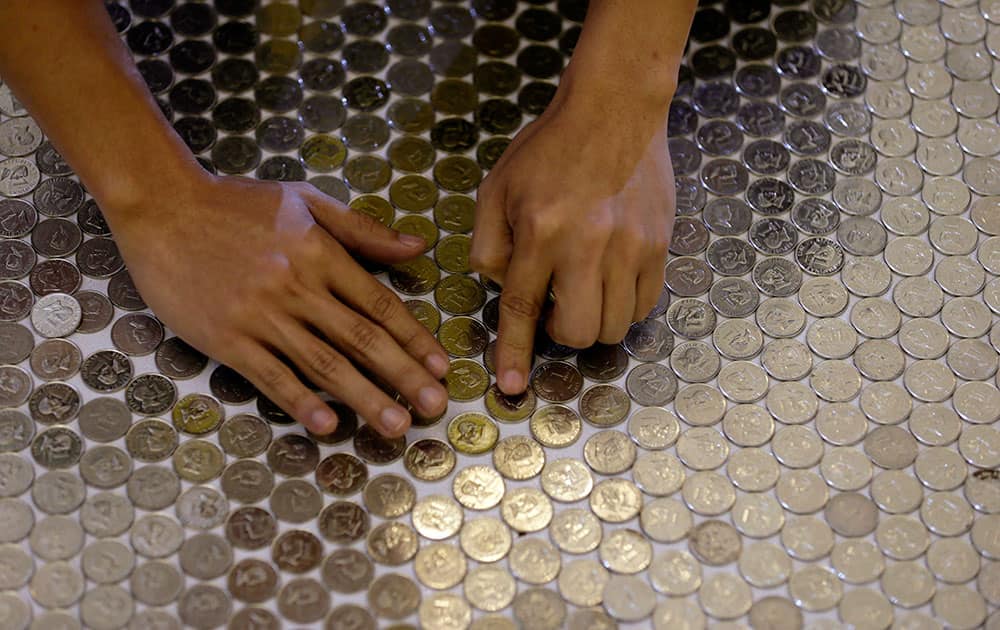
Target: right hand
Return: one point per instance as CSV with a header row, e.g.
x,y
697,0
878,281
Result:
x,y
249,271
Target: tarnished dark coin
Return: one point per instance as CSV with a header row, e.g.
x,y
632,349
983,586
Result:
x,y
708,25
843,81
681,119
106,371
176,359
51,276
773,236
149,38
754,43
230,386
375,448
410,40
364,19
17,260
649,340
54,197
150,394
15,301
57,448
341,474
713,61
812,177
853,157
534,97
497,78
293,455
802,99
252,581
235,155
715,99
54,403
689,237
234,75
719,137
807,138
757,81
366,93
410,77
343,522
250,528
192,96
55,238
281,168
766,157
278,94
770,196
137,334
684,156
798,62
602,362
724,177
151,440
99,258
556,381
429,459
760,119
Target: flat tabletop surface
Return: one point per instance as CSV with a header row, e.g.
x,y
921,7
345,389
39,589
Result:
x,y
801,435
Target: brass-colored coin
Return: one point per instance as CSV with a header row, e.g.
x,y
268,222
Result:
x,y
510,408
367,173
437,517
459,294
425,313
413,193
392,543
567,480
281,19
375,448
151,440
455,213
616,500
197,414
415,277
393,596
452,253
463,336
341,474
418,225
440,566
278,56
322,153
389,495
347,571
457,173
526,509
411,154
198,461
454,97
604,405
374,206
518,457
555,426
343,522
478,487
472,433
429,459
534,560
249,527
253,581
297,551
466,380
485,539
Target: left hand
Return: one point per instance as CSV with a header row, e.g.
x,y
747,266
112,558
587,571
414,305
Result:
x,y
583,200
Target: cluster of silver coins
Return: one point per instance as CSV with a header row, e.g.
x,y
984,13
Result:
x,y
802,434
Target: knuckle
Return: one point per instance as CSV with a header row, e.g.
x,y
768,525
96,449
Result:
x,y
483,261
519,306
324,361
273,377
364,224
363,338
573,338
384,305
541,225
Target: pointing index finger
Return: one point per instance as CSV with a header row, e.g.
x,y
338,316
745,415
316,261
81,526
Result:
x,y
525,287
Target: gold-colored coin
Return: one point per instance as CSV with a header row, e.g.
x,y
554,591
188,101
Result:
x,y
389,495
452,253
280,19
392,543
478,487
454,97
534,560
490,588
411,154
518,457
278,56
457,173
321,9
526,509
576,530
459,295
567,480
425,313
197,414
466,380
440,565
555,426
198,461
510,408
413,193
472,433
437,517
429,459
415,277
418,226
455,213
323,153
367,173
485,539
374,206
463,336
616,500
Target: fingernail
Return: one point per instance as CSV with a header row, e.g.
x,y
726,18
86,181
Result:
x,y
512,382
437,364
431,398
323,421
394,419
410,240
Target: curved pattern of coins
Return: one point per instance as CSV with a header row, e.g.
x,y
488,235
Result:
x,y
802,434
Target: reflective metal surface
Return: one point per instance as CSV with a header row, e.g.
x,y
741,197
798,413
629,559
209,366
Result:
x,y
802,434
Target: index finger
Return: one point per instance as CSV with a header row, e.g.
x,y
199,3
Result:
x,y
525,287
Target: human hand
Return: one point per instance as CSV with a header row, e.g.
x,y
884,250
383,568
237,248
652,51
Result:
x,y
249,271
579,201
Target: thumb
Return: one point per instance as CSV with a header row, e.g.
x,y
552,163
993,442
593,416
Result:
x,y
361,233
